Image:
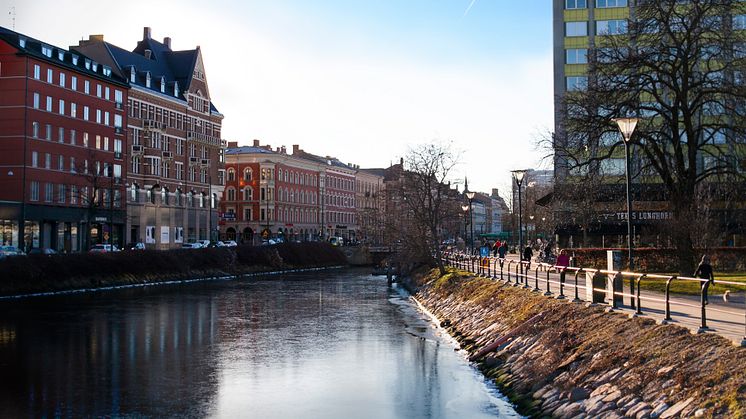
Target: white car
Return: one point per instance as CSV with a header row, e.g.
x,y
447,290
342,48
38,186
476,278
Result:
x,y
104,248
191,246
230,243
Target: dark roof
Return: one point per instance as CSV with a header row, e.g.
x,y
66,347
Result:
x,y
377,171
331,161
33,47
248,150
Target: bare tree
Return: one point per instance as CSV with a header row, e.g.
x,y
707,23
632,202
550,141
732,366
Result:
x,y
679,68
427,201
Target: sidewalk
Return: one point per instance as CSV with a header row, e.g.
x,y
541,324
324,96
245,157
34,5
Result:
x,y
727,319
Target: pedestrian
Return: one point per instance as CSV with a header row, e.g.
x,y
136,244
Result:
x,y
502,251
528,253
495,247
563,261
704,271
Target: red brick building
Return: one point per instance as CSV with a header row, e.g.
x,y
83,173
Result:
x,y
62,154
176,161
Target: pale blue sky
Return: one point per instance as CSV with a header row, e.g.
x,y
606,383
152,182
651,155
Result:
x,y
360,80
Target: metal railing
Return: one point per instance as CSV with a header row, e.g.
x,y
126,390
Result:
x,y
518,273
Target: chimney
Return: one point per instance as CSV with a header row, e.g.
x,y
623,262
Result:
x,y
98,38
232,144
256,143
401,161
283,150
296,148
167,42
146,33
148,53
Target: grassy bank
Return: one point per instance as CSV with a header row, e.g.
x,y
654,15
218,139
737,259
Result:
x,y
582,360
694,288
38,273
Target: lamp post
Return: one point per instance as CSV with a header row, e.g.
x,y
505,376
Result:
x,y
470,196
627,127
465,208
518,175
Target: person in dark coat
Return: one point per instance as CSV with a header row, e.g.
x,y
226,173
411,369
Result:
x,y
502,251
528,253
704,271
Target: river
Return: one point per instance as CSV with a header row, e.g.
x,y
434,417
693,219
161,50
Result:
x,y
330,344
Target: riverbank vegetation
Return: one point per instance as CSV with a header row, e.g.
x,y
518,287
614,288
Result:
x,y
578,360
40,273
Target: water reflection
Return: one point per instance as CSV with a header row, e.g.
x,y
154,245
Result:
x,y
331,345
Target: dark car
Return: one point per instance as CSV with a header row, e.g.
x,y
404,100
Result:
x,y
42,251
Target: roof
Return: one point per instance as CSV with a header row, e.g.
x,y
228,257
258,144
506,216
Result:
x,y
61,56
248,150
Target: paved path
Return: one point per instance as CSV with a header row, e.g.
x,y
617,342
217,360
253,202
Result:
x,y
727,319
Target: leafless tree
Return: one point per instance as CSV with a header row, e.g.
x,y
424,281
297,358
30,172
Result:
x,y
679,68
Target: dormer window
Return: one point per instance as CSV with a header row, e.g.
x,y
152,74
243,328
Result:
x,y
22,42
61,55
147,79
46,50
107,71
94,66
75,59
87,64
133,74
163,84
176,89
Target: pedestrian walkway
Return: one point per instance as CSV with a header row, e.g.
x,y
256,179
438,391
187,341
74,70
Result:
x,y
727,319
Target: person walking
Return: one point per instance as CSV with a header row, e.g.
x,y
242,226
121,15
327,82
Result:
x,y
501,252
704,271
495,246
528,253
563,261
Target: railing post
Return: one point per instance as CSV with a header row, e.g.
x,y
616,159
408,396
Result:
x,y
548,292
577,296
536,277
510,262
518,278
617,277
668,300
639,300
561,295
703,327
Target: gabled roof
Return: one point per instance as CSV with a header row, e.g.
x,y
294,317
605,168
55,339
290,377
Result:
x,y
248,150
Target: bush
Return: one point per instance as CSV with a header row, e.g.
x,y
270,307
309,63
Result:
x,y
40,273
649,259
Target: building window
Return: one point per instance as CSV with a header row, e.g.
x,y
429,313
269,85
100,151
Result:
x,y
62,79
611,3
61,193
231,175
50,75
576,56
73,194
72,165
575,83
576,28
49,132
37,99
48,192
73,109
49,103
37,71
106,93
34,190
118,97
575,4
87,87
61,134
98,90
106,118
35,129
46,50
147,79
62,106
74,83
85,113
231,193
98,116
34,159
247,174
611,27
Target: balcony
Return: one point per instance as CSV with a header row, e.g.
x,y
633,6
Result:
x,y
151,124
204,139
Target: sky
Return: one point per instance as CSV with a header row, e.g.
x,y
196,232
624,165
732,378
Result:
x,y
358,80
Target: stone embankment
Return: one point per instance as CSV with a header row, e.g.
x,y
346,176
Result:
x,y
571,360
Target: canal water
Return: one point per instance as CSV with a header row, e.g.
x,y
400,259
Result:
x,y
330,344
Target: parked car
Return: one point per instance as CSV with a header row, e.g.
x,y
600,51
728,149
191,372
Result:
x,y
41,251
204,243
336,241
230,243
191,246
136,246
104,248
6,251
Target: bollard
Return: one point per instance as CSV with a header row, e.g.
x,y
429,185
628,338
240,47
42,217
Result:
x,y
668,300
561,295
703,327
548,292
577,296
518,277
639,302
536,277
510,262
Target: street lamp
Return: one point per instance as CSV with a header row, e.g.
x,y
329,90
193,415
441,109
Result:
x,y
465,208
518,175
627,127
533,228
470,196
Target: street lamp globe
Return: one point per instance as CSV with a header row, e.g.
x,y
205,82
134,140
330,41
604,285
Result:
x,y
470,195
465,207
626,127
